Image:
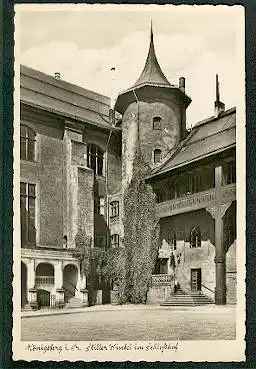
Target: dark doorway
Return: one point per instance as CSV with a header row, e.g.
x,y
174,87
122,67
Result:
x,y
195,279
43,298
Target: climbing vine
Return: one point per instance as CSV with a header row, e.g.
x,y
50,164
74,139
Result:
x,y
141,234
91,259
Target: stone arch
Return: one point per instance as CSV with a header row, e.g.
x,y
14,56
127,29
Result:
x,y
70,279
44,276
24,292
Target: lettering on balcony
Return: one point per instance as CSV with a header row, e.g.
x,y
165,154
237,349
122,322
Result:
x,y
189,203
161,279
196,201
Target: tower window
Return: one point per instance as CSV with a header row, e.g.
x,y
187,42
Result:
x,y
115,240
195,237
27,143
27,213
157,156
157,123
95,159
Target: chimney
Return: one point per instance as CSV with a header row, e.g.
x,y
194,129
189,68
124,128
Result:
x,y
219,107
57,75
182,84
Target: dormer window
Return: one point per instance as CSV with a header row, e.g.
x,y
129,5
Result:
x,y
157,156
157,123
95,159
27,143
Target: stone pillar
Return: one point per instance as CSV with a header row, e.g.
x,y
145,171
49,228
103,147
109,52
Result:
x,y
58,275
60,302
32,291
32,299
217,213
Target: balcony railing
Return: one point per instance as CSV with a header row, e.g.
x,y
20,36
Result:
x,y
194,201
161,279
44,279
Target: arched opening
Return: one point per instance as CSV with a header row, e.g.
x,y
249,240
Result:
x,y
195,237
157,156
70,278
23,284
44,275
172,240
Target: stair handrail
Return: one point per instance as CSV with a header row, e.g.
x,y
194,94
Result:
x,y
202,285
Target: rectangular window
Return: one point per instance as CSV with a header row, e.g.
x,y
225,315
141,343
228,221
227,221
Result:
x,y
27,143
115,240
27,213
229,173
114,209
95,159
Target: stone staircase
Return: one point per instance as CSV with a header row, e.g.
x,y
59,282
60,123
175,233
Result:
x,y
181,298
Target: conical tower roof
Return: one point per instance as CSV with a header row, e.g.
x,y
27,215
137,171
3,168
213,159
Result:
x,y
151,77
152,73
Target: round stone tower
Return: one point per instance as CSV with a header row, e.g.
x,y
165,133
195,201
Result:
x,y
154,116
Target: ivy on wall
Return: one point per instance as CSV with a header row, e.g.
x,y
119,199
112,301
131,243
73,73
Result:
x,y
91,259
141,234
128,268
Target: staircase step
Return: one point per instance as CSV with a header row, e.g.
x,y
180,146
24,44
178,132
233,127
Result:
x,y
181,298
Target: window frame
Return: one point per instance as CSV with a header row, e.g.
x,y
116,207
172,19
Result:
x,y
172,240
195,232
157,123
25,240
28,140
114,210
99,154
159,151
115,240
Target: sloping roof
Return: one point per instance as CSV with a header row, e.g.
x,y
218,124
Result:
x,y
207,138
152,73
58,96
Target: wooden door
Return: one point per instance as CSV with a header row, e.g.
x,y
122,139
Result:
x,y
195,279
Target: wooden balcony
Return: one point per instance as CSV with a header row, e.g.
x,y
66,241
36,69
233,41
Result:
x,y
195,201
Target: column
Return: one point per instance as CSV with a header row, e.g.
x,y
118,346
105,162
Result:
x,y
58,281
32,291
220,254
58,275
217,213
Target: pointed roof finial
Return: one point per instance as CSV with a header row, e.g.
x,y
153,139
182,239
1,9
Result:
x,y
151,30
152,73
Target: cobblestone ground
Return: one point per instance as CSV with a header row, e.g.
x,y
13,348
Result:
x,y
133,324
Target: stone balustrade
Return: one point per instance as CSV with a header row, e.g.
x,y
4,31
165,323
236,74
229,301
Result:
x,y
44,280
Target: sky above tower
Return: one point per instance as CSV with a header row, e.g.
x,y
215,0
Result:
x,y
104,47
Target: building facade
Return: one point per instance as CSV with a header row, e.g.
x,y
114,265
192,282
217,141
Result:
x,y
77,160
70,167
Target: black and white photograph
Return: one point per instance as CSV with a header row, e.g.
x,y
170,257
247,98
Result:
x,y
129,183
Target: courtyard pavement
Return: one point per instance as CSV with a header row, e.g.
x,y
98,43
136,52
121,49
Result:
x,y
130,322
